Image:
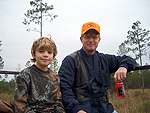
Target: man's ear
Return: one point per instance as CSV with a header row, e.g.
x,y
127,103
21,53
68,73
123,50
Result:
x,y
81,38
100,39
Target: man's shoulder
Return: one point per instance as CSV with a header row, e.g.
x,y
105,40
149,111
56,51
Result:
x,y
74,54
100,54
104,54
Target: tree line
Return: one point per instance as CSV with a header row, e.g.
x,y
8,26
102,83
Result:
x,y
133,81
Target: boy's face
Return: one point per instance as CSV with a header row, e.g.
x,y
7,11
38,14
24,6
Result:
x,y
43,58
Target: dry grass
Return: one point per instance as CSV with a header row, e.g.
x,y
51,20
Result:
x,y
136,101
7,97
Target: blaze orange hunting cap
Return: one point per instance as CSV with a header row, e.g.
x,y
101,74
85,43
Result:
x,y
90,25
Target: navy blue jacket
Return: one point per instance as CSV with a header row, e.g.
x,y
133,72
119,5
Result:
x,y
101,62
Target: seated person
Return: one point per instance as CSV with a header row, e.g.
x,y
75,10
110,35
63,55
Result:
x,y
37,87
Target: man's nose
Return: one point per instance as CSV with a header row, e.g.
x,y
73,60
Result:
x,y
91,39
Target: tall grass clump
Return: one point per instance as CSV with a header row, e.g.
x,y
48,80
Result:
x,y
136,101
9,98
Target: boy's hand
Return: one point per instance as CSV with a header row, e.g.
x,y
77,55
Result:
x,y
120,74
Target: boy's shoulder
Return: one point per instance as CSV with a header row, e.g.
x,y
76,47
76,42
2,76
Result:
x,y
53,75
52,72
24,75
26,70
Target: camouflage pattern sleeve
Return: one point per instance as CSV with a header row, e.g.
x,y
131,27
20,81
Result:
x,y
21,93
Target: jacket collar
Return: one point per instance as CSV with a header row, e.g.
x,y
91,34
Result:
x,y
84,54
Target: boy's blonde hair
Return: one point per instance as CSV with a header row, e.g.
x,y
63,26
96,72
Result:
x,y
43,43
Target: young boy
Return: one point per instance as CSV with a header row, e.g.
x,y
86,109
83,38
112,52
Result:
x,y
37,87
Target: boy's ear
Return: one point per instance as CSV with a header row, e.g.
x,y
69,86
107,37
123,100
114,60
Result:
x,y
32,54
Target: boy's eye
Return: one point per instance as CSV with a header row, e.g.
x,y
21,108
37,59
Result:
x,y
41,51
49,52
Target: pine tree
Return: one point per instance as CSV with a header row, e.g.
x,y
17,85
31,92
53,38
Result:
x,y
137,42
36,15
1,59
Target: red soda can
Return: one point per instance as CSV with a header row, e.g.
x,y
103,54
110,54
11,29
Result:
x,y
120,89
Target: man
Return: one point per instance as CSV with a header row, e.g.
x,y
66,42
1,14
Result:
x,y
85,74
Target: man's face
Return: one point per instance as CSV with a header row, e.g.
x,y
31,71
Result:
x,y
90,45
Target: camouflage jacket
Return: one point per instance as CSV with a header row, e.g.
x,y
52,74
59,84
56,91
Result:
x,y
38,91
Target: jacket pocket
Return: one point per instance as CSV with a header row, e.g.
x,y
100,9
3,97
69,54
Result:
x,y
104,78
85,106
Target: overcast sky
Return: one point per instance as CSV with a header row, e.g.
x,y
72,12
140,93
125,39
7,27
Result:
x,y
114,16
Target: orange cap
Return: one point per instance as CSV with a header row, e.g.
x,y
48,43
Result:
x,y
90,25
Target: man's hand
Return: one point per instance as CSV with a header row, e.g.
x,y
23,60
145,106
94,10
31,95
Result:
x,y
120,74
81,111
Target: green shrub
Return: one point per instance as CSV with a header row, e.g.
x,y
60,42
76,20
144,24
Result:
x,y
146,106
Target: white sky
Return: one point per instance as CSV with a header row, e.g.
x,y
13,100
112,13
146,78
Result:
x,y
114,16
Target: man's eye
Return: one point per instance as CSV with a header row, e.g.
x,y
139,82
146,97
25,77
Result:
x,y
94,37
87,36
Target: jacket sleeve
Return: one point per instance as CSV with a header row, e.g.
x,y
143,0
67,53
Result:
x,y
21,94
121,61
66,74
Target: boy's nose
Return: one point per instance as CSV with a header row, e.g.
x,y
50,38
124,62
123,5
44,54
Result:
x,y
45,53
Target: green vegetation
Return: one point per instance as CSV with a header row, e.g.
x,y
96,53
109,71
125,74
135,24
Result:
x,y
137,43
7,90
1,59
136,101
54,65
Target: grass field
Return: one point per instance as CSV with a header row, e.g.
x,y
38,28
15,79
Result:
x,y
136,101
7,97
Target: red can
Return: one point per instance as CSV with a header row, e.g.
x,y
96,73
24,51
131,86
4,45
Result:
x,y
120,89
